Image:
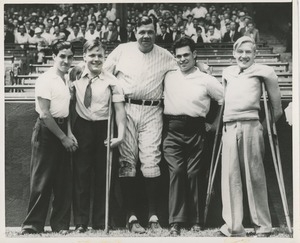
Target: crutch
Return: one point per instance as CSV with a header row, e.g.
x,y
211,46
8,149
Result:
x,y
213,165
109,155
272,134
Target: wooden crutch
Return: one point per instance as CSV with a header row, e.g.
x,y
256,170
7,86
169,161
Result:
x,y
274,145
213,164
109,155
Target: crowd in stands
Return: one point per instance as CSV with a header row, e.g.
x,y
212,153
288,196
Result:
x,y
205,23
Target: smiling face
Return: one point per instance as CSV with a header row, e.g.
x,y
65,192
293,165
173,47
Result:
x,y
94,59
145,36
63,60
244,55
185,59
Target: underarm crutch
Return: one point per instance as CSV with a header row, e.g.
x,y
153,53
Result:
x,y
213,164
274,145
109,155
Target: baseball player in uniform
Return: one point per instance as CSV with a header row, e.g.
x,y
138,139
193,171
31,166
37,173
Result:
x,y
52,140
92,91
243,141
187,96
140,68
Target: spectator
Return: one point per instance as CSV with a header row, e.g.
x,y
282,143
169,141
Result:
x,y
199,11
233,34
182,31
198,38
112,34
104,26
75,35
27,27
111,12
50,25
252,32
22,37
164,37
62,28
41,43
57,35
48,37
130,35
212,35
174,32
121,30
186,11
9,36
91,34
190,28
245,28
83,29
153,11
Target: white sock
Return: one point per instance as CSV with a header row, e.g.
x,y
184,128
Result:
x,y
153,218
132,218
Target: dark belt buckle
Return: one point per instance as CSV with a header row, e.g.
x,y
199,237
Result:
x,y
60,120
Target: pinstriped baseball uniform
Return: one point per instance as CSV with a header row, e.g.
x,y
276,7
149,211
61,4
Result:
x,y
141,77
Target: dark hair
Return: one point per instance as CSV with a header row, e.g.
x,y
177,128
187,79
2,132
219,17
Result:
x,y
61,45
184,41
90,44
92,24
145,20
198,28
163,25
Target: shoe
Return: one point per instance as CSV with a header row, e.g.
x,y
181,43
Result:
x,y
135,227
81,228
220,234
63,232
155,227
263,234
196,228
175,229
28,231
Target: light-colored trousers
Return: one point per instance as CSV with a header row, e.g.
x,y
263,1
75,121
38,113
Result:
x,y
242,164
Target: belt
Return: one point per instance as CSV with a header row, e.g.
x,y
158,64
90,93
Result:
x,y
60,120
143,102
184,118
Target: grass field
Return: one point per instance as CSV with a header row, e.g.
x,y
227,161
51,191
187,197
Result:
x,y
122,232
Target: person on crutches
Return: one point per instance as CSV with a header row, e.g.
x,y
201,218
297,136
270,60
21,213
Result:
x,y
94,90
243,140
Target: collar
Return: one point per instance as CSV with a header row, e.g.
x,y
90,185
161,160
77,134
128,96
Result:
x,y
87,74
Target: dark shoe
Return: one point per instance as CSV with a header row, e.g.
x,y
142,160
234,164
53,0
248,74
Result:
x,y
80,228
175,229
28,231
220,234
135,227
155,227
196,228
263,234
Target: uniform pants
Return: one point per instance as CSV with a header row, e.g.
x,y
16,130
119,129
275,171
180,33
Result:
x,y
242,166
50,171
183,149
89,162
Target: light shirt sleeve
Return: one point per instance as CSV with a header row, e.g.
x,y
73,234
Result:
x,y
215,90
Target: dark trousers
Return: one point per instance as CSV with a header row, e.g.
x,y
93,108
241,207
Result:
x,y
50,171
89,162
183,149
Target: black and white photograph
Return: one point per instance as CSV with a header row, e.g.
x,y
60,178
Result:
x,y
150,121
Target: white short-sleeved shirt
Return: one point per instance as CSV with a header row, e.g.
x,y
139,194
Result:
x,y
102,87
191,94
51,87
140,74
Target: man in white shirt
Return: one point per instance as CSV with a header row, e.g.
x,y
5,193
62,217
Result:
x,y
199,11
187,96
91,34
52,141
22,37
